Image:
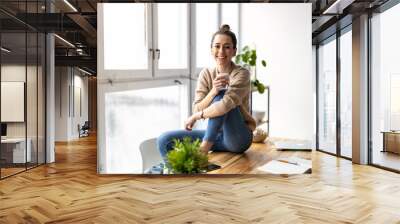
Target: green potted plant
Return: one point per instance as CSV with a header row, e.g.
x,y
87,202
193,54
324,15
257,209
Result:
x,y
186,157
248,59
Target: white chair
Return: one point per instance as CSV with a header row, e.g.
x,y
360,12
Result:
x,y
150,154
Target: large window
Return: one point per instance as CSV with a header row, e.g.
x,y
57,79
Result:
x,y
346,94
135,115
386,88
209,17
394,101
327,96
172,49
206,25
329,111
143,40
125,51
143,56
230,16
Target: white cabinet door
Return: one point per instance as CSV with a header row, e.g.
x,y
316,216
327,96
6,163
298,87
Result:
x,y
124,41
171,39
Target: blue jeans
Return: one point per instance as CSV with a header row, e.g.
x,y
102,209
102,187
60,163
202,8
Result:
x,y
228,132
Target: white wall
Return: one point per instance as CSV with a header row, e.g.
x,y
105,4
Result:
x,y
80,82
61,103
67,83
16,73
282,35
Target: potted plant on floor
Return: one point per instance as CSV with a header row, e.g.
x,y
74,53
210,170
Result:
x,y
186,157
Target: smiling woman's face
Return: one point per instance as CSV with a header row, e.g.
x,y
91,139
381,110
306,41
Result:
x,y
222,50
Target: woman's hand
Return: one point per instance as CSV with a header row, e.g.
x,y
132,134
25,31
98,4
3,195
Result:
x,y
191,120
219,83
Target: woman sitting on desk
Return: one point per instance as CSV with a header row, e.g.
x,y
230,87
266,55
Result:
x,y
222,95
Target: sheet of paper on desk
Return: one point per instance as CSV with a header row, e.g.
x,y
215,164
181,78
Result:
x,y
291,165
299,161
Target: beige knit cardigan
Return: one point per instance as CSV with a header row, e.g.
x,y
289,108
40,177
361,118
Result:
x,y
237,94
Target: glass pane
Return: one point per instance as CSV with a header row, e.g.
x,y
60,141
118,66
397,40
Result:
x,y
230,16
206,26
327,97
31,100
129,123
41,98
386,88
395,102
13,72
125,40
346,94
173,36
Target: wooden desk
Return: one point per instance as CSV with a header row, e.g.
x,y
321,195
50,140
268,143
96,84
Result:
x,y
391,141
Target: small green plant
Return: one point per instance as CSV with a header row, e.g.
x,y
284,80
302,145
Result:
x,y
248,59
186,157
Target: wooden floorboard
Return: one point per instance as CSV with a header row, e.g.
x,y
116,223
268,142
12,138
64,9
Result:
x,y
70,191
387,159
250,161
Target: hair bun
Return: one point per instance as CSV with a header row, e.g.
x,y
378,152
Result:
x,y
224,28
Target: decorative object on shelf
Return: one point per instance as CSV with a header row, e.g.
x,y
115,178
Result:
x,y
258,117
259,135
248,59
186,157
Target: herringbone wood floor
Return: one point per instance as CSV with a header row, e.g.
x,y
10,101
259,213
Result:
x,y
70,191
251,161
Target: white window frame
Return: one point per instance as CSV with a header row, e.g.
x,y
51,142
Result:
x,y
153,71
104,88
109,81
196,70
131,74
170,72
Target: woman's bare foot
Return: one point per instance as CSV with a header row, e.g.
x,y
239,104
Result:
x,y
205,146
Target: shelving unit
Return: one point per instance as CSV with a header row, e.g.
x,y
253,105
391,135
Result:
x,y
266,117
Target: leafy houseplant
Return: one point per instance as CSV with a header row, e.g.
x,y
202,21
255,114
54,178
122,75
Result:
x,y
186,157
248,59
